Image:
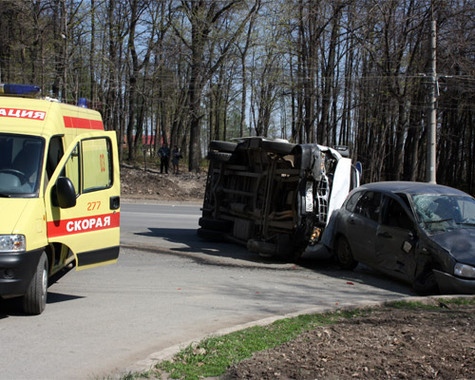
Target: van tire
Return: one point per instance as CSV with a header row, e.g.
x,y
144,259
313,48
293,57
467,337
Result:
x,y
216,224
219,156
34,300
344,256
277,147
210,235
222,146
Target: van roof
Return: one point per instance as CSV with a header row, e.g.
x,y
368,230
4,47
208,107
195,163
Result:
x,y
45,117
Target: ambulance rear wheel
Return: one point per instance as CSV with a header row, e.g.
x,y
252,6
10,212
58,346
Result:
x,y
34,301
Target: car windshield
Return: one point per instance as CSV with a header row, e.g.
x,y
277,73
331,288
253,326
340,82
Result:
x,y
438,213
20,164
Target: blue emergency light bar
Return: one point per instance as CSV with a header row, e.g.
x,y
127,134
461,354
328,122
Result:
x,y
19,90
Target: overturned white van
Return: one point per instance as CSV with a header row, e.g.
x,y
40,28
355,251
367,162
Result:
x,y
273,196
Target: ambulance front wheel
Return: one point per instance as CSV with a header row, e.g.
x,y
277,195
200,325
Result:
x,y
34,301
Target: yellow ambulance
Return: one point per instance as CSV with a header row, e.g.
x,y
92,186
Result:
x,y
59,193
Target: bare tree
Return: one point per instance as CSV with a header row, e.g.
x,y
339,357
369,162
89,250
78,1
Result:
x,y
347,72
205,18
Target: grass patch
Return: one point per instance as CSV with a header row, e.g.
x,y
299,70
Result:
x,y
411,305
458,301
436,304
212,356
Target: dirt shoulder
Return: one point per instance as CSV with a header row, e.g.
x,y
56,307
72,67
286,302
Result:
x,y
389,343
140,184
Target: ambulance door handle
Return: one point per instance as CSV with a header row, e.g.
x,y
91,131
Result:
x,y
114,202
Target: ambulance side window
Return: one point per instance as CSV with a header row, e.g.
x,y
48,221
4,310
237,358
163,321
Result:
x,y
72,168
55,152
97,164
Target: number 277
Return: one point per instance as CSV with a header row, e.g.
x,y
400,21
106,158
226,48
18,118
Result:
x,y
93,205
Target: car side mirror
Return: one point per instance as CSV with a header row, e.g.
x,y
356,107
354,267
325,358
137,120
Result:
x,y
64,194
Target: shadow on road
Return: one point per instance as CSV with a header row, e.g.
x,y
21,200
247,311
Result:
x,y
318,260
13,306
188,241
59,297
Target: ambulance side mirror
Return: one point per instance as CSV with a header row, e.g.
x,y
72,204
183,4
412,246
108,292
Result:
x,y
64,194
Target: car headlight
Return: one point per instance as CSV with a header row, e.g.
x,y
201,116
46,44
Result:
x,y
12,243
463,270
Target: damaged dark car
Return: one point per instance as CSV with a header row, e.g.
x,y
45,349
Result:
x,y
419,232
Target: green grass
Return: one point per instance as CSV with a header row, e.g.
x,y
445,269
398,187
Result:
x,y
430,306
458,301
412,305
212,356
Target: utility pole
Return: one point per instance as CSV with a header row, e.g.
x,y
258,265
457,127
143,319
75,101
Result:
x,y
432,138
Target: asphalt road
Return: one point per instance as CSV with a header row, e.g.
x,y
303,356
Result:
x,y
169,287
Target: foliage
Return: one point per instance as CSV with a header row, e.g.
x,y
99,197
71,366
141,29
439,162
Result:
x,y
333,72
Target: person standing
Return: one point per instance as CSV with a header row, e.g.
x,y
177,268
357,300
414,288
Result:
x,y
164,154
176,155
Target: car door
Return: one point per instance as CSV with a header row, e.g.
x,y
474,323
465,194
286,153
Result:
x,y
395,239
90,227
361,225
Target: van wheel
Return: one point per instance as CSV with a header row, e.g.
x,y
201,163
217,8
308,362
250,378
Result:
x,y
215,224
34,301
297,254
278,147
223,146
210,235
344,256
219,156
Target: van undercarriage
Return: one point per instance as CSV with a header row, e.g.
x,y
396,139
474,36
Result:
x,y
269,195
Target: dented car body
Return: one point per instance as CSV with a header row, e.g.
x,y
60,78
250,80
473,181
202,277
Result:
x,y
419,232
273,196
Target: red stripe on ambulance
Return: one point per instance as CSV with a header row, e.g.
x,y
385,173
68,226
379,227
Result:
x,y
82,225
77,122
19,113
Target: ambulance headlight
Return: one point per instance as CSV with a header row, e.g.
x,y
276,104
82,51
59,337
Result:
x,y
12,243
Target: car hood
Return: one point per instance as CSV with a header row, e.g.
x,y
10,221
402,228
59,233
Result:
x,y
460,243
12,211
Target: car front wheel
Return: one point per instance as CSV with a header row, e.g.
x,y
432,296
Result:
x,y
34,301
425,283
344,256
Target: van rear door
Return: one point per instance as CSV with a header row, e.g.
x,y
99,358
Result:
x,y
89,224
342,184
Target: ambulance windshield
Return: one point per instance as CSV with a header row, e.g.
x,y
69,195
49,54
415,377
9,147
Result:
x,y
20,165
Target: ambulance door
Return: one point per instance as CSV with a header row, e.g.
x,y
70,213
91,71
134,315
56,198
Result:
x,y
82,200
